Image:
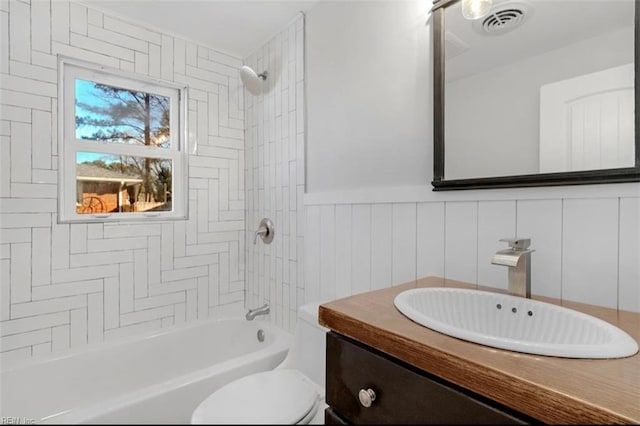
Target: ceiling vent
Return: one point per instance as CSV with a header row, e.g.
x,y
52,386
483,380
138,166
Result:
x,y
504,18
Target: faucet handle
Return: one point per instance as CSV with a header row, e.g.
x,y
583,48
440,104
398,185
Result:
x,y
517,243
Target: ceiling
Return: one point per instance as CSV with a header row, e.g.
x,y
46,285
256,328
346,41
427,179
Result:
x,y
549,24
236,27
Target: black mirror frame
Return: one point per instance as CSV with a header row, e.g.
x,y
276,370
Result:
x,y
586,177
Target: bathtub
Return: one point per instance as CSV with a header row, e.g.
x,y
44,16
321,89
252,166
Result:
x,y
158,377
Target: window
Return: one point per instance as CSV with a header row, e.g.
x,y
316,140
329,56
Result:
x,y
123,148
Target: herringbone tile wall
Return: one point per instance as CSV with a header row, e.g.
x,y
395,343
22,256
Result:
x,y
71,285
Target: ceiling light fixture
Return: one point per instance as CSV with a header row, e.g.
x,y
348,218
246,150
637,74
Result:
x,y
475,9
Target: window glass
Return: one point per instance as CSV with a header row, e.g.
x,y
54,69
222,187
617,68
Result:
x,y
111,114
107,183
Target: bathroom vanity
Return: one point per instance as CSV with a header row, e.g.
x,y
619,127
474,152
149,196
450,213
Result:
x,y
384,368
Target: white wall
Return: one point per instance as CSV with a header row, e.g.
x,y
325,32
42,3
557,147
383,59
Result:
x,y
376,231
85,283
368,94
501,107
274,171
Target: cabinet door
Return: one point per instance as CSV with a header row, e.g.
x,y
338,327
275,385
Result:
x,y
403,395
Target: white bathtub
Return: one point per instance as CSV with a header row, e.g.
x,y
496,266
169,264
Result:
x,y
155,378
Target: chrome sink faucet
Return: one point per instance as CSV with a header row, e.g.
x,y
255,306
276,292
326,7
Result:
x,y
262,310
518,259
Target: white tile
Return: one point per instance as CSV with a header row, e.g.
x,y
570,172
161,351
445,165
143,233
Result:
x,y
118,39
312,254
182,274
84,273
461,239
25,100
166,246
60,337
20,152
179,56
161,300
21,310
19,31
154,60
9,357
145,315
95,317
360,248
68,289
96,259
94,243
154,266
87,55
78,327
541,221
102,48
41,348
135,31
192,305
381,245
404,243
203,297
33,323
27,85
78,238
41,139
629,261
96,19
126,287
15,235
166,65
5,166
496,220
4,42
590,251
327,232
5,290
41,253
132,330
141,63
25,339
430,240
34,72
20,272
41,26
111,303
78,19
140,273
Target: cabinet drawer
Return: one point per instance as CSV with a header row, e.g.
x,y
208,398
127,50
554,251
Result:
x,y
403,394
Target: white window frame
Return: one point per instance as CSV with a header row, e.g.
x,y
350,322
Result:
x,y
71,69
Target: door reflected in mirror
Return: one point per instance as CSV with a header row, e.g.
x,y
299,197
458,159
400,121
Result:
x,y
538,86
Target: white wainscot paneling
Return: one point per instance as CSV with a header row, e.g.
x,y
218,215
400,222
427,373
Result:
x,y
590,251
461,235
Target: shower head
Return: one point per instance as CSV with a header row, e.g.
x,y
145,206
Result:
x,y
251,80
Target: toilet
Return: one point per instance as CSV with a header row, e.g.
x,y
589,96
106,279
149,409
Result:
x,y
292,393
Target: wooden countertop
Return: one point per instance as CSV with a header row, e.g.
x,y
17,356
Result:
x,y
550,389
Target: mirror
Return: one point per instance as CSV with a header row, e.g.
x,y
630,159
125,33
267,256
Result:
x,y
536,92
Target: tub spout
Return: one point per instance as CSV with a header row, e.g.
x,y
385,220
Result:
x,y
262,310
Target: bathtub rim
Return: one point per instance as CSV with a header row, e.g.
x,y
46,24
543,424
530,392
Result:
x,y
8,367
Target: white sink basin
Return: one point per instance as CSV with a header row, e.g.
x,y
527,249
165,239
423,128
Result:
x,y
514,323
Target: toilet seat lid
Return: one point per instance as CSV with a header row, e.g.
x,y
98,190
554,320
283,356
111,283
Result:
x,y
271,397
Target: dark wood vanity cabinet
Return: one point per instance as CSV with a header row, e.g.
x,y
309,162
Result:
x,y
403,394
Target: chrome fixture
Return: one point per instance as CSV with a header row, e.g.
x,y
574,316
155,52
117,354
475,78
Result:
x,y
518,259
252,313
266,231
252,80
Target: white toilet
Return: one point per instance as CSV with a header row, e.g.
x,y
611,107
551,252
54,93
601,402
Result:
x,y
292,393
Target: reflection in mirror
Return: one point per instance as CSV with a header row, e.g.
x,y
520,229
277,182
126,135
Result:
x,y
539,86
